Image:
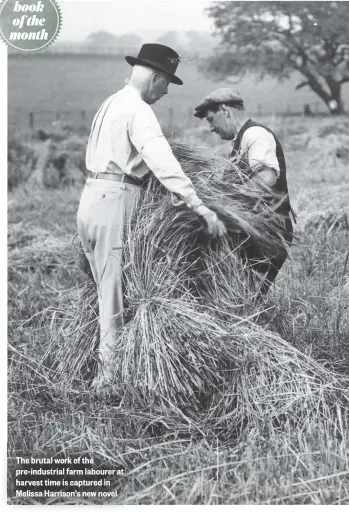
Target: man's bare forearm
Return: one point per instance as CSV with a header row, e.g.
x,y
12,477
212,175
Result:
x,y
265,176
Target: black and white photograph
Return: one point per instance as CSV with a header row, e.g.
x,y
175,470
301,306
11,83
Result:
x,y
177,252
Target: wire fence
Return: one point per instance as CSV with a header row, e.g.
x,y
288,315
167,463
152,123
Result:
x,y
169,118
55,119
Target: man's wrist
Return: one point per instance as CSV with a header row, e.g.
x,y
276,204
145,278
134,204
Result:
x,y
193,202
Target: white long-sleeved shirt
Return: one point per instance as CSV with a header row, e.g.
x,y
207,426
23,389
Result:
x,y
126,138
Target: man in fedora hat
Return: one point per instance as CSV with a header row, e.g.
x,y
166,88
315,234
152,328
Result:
x,y
125,142
258,153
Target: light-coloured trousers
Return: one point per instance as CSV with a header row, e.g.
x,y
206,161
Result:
x,y
105,206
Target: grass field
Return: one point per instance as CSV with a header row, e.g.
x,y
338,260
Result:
x,y
72,84
309,308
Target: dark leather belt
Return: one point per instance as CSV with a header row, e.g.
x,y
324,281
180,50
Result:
x,y
118,177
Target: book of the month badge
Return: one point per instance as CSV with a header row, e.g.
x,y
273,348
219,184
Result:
x,y
29,25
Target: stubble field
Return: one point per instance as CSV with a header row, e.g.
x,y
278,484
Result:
x,y
308,307
303,462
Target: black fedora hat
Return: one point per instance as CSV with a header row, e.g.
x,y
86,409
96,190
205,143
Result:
x,y
159,57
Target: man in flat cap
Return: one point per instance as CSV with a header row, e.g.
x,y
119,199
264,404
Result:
x,y
125,142
255,149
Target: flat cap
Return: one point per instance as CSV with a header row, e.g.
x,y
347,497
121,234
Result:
x,y
216,97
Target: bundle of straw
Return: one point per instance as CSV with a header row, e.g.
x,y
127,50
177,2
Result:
x,y
190,348
326,211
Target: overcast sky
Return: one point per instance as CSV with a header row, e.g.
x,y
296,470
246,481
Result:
x,y
81,17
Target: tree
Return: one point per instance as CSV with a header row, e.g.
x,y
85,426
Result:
x,y
175,40
278,38
188,44
102,38
199,43
105,41
130,41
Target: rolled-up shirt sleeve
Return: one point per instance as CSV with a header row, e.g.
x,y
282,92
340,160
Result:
x,y
147,137
260,147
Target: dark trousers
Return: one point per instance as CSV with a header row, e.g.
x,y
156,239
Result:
x,y
268,266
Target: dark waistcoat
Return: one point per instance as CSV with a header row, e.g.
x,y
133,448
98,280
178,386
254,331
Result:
x,y
281,184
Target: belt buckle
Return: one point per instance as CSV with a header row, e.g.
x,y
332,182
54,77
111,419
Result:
x,y
123,186
95,175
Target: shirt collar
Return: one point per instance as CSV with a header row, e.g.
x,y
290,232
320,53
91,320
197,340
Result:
x,y
130,89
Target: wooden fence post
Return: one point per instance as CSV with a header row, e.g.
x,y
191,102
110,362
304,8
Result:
x,y
31,120
190,117
170,112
